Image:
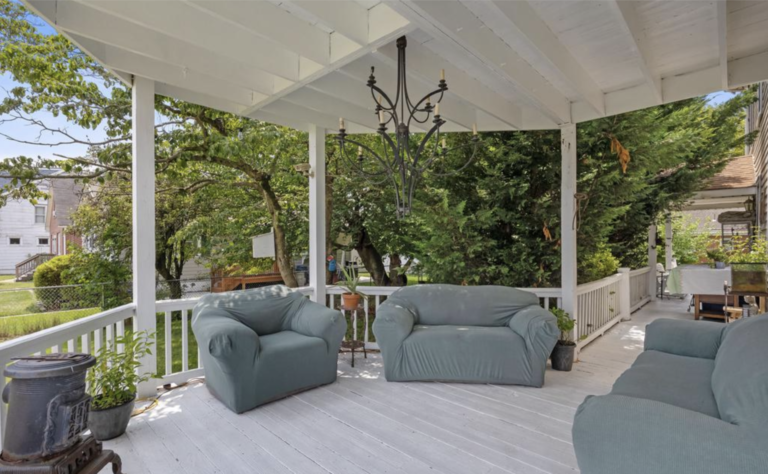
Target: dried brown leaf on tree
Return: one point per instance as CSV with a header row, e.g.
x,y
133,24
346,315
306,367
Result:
x,y
621,152
547,233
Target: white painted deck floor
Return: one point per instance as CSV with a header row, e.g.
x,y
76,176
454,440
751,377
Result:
x,y
362,424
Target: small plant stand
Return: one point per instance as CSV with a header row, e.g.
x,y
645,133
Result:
x,y
352,345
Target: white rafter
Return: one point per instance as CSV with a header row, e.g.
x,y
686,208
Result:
x,y
629,22
721,17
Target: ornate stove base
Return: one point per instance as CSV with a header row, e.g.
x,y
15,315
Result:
x,y
86,457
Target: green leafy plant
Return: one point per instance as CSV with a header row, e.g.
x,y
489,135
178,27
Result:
x,y
351,281
597,265
565,324
114,378
754,250
717,255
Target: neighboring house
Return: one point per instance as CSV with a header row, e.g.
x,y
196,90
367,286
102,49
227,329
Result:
x,y
23,231
65,197
757,120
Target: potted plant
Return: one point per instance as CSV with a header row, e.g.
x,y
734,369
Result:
x,y
718,257
112,384
563,353
351,300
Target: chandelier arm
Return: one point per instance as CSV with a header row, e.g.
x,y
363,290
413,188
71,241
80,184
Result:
x,y
462,168
435,128
424,99
396,155
386,168
376,89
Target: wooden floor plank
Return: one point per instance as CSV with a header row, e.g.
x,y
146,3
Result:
x,y
363,424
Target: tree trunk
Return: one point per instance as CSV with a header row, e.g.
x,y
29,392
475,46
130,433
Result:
x,y
397,271
282,254
372,259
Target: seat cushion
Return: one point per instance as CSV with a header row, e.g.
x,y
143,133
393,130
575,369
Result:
x,y
685,382
464,354
740,379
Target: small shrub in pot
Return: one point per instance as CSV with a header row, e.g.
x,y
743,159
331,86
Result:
x,y
351,300
564,351
112,383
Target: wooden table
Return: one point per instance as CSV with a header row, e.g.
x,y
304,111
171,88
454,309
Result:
x,y
734,310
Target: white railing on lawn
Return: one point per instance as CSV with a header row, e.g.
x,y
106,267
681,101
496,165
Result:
x,y
639,288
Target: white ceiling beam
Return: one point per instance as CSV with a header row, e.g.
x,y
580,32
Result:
x,y
192,97
721,17
322,119
628,20
451,22
396,26
320,102
521,28
182,21
272,23
169,74
427,65
98,26
349,19
748,70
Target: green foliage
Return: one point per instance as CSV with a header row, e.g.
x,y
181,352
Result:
x,y
351,281
597,265
564,323
51,273
754,250
113,380
717,255
689,244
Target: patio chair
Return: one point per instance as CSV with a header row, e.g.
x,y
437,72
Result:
x,y
481,334
264,344
695,401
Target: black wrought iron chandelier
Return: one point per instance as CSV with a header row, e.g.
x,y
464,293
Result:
x,y
404,160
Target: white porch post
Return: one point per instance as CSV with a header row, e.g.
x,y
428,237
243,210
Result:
x,y
317,213
668,243
625,294
567,222
144,219
652,261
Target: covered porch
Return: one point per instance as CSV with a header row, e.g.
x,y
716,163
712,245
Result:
x,y
362,424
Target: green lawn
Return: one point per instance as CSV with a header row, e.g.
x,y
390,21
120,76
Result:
x,y
7,277
176,339
16,326
14,303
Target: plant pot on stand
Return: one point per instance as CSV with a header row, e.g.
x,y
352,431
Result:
x,y
350,301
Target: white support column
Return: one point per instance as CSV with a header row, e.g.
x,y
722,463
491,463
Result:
x,y
143,177
625,294
668,244
317,213
567,223
652,261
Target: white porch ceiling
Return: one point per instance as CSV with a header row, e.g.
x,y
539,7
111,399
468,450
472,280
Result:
x,y
510,64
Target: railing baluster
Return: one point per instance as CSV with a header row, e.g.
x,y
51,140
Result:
x,y
354,325
55,349
365,311
184,342
168,344
109,338
85,346
120,330
71,346
97,341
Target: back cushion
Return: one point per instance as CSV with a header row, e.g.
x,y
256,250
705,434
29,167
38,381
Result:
x,y
264,310
740,379
490,306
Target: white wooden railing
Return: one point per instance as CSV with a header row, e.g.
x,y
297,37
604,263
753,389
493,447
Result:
x,y
598,308
639,288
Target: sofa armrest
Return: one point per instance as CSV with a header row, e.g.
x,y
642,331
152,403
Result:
x,y
392,325
538,328
615,433
229,341
316,320
684,338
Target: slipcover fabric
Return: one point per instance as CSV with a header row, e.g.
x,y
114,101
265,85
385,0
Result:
x,y
685,382
484,334
263,344
666,415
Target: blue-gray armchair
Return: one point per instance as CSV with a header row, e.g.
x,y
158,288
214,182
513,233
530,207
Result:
x,y
695,401
481,334
263,344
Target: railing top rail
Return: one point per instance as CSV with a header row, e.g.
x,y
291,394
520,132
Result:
x,y
640,271
365,290
176,305
545,292
41,340
593,285
34,257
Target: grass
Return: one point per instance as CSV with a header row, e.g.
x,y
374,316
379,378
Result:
x,y
14,303
17,326
7,277
176,345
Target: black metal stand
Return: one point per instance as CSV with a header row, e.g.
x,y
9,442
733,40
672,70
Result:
x,y
353,344
86,457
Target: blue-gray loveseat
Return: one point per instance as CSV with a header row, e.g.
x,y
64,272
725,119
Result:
x,y
264,344
694,402
480,334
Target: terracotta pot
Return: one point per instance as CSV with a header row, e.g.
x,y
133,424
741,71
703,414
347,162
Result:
x,y
350,301
562,356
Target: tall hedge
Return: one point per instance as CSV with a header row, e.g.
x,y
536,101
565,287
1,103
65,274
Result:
x,y
51,273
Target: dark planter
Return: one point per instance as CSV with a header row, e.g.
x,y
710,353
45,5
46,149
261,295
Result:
x,y
111,422
562,356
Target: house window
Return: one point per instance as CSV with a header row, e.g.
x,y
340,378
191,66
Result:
x,y
42,241
14,240
39,214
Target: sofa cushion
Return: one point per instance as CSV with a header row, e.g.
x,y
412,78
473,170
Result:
x,y
685,382
740,379
490,306
465,354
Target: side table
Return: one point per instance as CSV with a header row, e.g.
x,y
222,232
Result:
x,y
350,345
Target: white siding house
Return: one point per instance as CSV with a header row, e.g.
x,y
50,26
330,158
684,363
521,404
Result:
x,y
22,232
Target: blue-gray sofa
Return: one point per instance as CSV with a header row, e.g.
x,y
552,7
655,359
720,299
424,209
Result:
x,y
694,402
263,344
481,334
